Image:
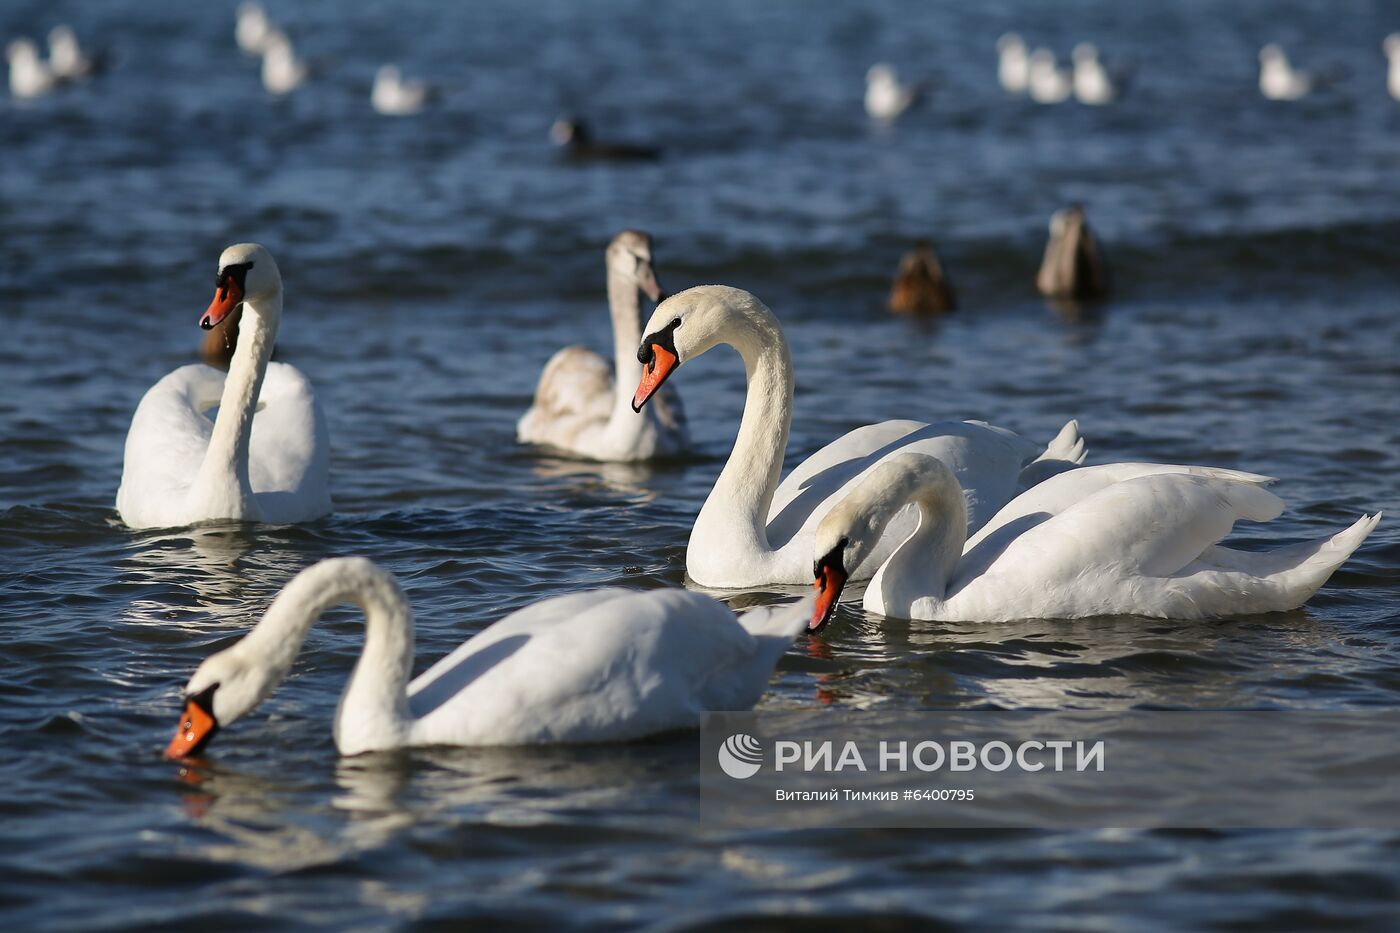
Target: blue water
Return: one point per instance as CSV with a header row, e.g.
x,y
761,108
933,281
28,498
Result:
x,y
433,264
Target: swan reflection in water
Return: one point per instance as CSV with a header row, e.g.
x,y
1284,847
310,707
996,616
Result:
x,y
1121,662
207,568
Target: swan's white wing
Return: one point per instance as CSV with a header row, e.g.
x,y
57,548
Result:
x,y
606,665
1109,552
1059,492
574,395
165,446
289,452
986,460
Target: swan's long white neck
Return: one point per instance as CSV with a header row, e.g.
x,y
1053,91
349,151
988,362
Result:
x,y
923,565
373,711
732,525
223,485
624,303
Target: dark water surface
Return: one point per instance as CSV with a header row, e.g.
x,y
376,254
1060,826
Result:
x,y
433,264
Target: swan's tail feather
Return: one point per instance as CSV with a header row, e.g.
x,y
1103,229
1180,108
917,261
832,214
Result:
x,y
773,628
1287,577
1067,445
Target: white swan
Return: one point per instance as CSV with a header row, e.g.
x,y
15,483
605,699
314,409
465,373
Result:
x,y
581,408
1278,80
1047,82
607,665
753,532
30,75
282,71
1391,47
180,468
392,96
885,97
253,28
1120,539
1092,84
1012,63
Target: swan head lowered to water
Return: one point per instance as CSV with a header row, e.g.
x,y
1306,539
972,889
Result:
x,y
247,272
689,323
851,530
629,255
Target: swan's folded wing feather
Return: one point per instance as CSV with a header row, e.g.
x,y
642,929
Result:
x,y
1153,526
1057,493
289,451
606,665
166,442
576,382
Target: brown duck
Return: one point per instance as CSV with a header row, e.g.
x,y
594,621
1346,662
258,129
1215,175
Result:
x,y
920,285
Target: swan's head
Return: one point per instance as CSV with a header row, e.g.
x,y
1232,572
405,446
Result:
x,y
1067,221
278,46
880,73
249,10
1042,59
62,37
1085,52
687,324
387,75
1271,53
226,687
1010,44
1391,45
629,255
847,535
21,50
247,272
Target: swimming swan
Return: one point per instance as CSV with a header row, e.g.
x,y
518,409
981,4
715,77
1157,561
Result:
x,y
752,531
602,666
1120,539
265,458
582,406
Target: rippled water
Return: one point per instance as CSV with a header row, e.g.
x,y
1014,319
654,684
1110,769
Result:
x,y
433,264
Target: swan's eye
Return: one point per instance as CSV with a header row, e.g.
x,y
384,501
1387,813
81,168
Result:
x,y
674,323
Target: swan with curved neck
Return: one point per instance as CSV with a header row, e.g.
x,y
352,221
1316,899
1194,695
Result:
x,y
584,410
753,531
1122,539
265,456
606,665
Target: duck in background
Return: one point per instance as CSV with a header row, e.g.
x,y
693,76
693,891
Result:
x,y
920,285
885,97
253,28
1074,265
1092,83
1047,82
575,138
392,96
282,71
30,75
1391,46
1278,80
1013,63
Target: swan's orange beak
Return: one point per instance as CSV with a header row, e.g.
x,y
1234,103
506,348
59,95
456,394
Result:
x,y
228,297
197,727
831,579
662,363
